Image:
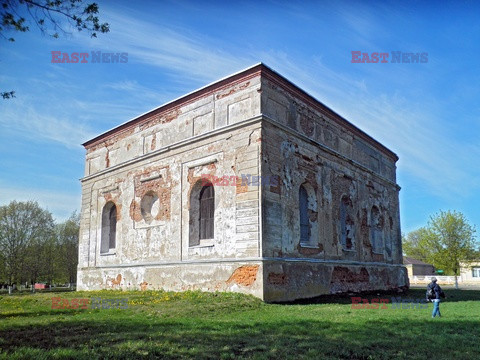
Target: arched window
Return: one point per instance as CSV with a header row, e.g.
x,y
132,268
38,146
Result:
x,y
109,227
207,212
347,224
376,230
308,215
304,221
202,212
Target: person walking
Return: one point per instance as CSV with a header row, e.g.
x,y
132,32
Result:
x,y
434,293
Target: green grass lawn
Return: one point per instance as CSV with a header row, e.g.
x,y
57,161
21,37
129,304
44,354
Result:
x,y
198,325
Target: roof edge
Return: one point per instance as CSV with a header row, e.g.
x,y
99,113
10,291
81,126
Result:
x,y
262,69
331,113
176,101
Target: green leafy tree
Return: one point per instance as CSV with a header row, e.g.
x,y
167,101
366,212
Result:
x,y
22,225
51,17
454,241
415,244
447,241
67,234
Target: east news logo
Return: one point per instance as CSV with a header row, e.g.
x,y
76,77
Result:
x,y
95,303
382,57
98,57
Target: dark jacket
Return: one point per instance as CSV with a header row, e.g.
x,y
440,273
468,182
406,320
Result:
x,y
437,290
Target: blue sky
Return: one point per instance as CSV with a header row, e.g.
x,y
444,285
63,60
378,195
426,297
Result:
x,y
427,113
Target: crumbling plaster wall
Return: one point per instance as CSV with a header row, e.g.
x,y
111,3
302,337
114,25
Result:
x,y
291,280
303,144
167,154
211,109
247,126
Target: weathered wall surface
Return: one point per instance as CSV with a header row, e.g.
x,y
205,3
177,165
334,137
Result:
x,y
174,123
253,124
163,160
237,276
303,146
287,280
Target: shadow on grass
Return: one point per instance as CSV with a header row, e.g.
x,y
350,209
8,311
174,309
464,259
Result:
x,y
452,295
30,314
233,339
37,291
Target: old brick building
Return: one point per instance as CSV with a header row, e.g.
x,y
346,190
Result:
x,y
302,202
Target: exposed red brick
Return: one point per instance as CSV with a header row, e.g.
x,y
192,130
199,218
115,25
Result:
x,y
110,197
208,169
309,250
158,186
162,118
240,188
143,286
115,281
191,178
277,279
135,212
233,90
244,275
342,274
108,142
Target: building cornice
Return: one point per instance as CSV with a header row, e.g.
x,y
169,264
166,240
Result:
x,y
191,97
259,69
310,100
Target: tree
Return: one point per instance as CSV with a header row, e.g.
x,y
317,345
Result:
x,y
41,259
67,234
2,268
51,17
415,244
447,241
454,240
22,224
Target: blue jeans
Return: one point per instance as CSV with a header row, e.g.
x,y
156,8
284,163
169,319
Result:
x,y
436,308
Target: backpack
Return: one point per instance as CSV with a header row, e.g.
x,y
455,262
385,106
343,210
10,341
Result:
x,y
431,293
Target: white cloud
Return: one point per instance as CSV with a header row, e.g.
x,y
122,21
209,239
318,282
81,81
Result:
x,y
22,117
187,54
60,204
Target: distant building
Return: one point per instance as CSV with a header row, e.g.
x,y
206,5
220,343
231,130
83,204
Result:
x,y
470,272
248,184
417,268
